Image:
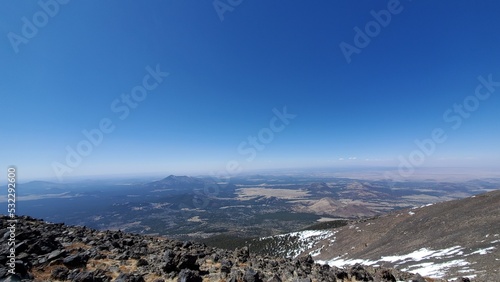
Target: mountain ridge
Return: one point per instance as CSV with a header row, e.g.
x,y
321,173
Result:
x,y
467,229
56,252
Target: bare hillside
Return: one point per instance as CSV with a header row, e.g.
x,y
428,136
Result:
x,y
448,239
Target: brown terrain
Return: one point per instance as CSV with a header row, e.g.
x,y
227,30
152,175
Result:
x,y
447,239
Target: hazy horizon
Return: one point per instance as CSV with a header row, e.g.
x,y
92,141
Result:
x,y
181,87
445,174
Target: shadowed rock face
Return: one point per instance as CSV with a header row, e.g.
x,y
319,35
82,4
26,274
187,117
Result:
x,y
56,252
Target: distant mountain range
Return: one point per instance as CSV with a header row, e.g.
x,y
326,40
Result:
x,y
173,182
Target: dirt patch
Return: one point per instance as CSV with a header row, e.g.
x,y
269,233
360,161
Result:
x,y
286,194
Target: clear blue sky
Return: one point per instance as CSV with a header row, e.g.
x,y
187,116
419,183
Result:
x,y
226,77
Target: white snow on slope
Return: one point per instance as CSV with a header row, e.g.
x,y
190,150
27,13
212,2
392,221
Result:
x,y
483,251
431,269
305,240
424,253
308,234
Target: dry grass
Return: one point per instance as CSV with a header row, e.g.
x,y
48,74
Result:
x,y
43,274
286,194
75,246
128,266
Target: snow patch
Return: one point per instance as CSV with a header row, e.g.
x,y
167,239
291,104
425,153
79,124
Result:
x,y
422,254
340,262
438,270
316,252
425,268
483,251
304,240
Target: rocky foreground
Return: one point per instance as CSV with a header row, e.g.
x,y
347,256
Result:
x,y
56,252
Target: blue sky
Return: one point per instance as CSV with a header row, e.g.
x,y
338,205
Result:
x,y
226,77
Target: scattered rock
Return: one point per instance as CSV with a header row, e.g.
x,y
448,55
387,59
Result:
x,y
187,275
76,260
142,262
417,278
72,253
360,274
60,273
242,254
124,277
55,254
251,276
12,278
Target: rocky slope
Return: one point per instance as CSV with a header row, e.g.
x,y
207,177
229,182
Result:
x,y
56,252
445,240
